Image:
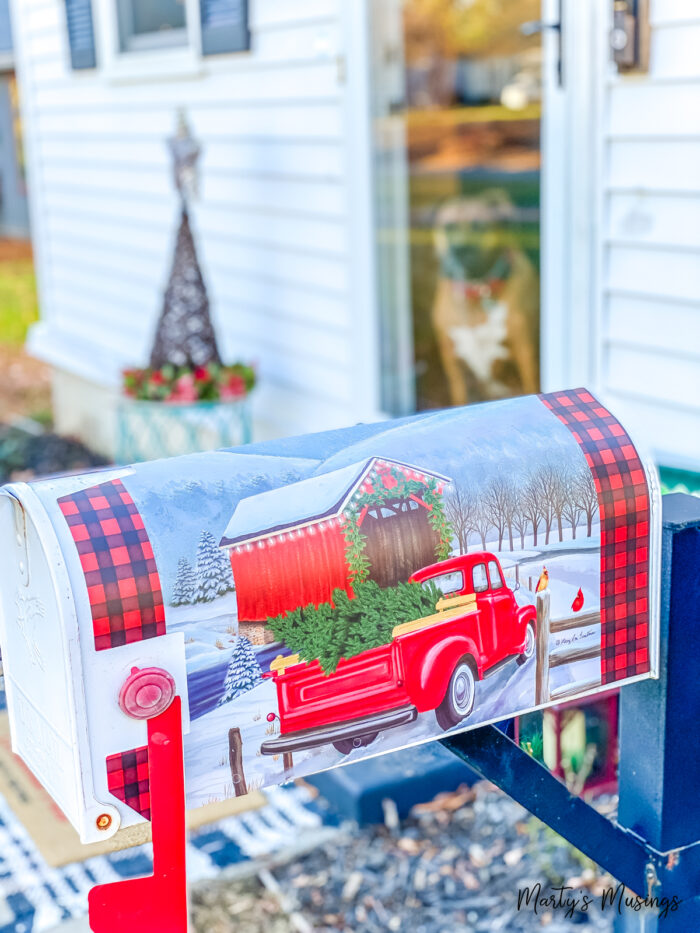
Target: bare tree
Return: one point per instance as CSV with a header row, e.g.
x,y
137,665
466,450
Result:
x,y
511,508
497,497
549,484
572,509
461,508
532,504
587,497
520,520
558,480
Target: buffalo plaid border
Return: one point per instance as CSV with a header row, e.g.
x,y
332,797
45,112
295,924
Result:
x,y
127,779
624,502
118,563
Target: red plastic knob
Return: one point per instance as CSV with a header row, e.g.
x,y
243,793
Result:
x,y
146,692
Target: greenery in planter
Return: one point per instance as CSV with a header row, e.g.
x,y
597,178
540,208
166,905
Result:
x,y
213,382
352,625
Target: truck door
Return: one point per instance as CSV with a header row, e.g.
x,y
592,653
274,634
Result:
x,y
487,618
503,611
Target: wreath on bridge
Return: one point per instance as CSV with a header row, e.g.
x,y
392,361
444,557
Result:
x,y
378,489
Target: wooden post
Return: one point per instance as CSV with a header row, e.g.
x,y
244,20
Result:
x,y
287,761
542,649
529,584
235,757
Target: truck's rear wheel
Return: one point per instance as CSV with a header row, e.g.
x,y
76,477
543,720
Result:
x,y
345,746
529,644
459,697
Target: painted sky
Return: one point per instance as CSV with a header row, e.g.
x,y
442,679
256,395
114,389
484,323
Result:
x,y
180,498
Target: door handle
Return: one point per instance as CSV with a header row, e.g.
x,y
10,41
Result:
x,y
537,27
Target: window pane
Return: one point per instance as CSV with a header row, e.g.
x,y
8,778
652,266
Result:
x,y
479,578
457,188
447,583
155,15
151,23
495,574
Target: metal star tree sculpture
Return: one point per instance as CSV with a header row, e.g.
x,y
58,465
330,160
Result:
x,y
184,336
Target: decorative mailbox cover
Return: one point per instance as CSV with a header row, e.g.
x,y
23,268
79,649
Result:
x,y
320,599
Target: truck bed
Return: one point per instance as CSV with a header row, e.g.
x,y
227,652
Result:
x,y
367,683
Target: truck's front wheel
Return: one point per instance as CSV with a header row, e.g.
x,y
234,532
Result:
x,y
458,701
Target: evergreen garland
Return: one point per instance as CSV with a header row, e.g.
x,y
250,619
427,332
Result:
x,y
353,624
355,557
399,487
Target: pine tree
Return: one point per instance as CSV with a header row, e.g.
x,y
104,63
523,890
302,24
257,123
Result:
x,y
185,587
243,673
214,576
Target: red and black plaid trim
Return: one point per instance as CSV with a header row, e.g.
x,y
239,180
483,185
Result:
x,y
127,779
624,502
118,563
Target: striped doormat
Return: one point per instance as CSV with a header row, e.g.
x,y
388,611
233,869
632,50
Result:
x,y
35,897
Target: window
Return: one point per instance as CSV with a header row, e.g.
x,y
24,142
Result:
x,y
151,24
495,575
457,98
479,579
447,583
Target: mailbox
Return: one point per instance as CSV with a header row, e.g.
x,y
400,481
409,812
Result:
x,y
318,599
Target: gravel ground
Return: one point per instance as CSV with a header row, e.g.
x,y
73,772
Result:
x,y
28,452
454,865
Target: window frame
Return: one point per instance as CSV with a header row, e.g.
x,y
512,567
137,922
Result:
x,y
157,62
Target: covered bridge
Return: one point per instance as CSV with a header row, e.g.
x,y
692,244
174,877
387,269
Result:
x,y
290,547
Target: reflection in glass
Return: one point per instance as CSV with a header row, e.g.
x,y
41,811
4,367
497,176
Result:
x,y
472,150
148,24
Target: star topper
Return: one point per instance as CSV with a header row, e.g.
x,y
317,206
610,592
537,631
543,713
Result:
x,y
185,152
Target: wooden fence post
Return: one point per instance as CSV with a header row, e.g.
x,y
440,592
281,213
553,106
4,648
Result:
x,y
542,649
235,757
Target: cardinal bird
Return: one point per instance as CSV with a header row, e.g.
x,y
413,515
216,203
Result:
x,y
578,601
543,581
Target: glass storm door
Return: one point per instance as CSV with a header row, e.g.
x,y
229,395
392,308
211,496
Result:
x,y
457,94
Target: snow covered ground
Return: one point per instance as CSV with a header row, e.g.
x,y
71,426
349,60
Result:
x,y
205,624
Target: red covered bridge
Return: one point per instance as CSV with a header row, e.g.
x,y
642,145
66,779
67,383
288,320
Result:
x,y
288,546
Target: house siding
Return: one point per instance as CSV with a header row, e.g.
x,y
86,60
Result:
x,y
272,221
649,341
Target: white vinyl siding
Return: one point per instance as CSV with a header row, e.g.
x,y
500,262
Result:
x,y
649,341
272,224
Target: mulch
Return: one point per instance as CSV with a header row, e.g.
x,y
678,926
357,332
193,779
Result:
x,y
453,866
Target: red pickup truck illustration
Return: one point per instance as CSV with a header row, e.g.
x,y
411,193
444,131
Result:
x,y
432,663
